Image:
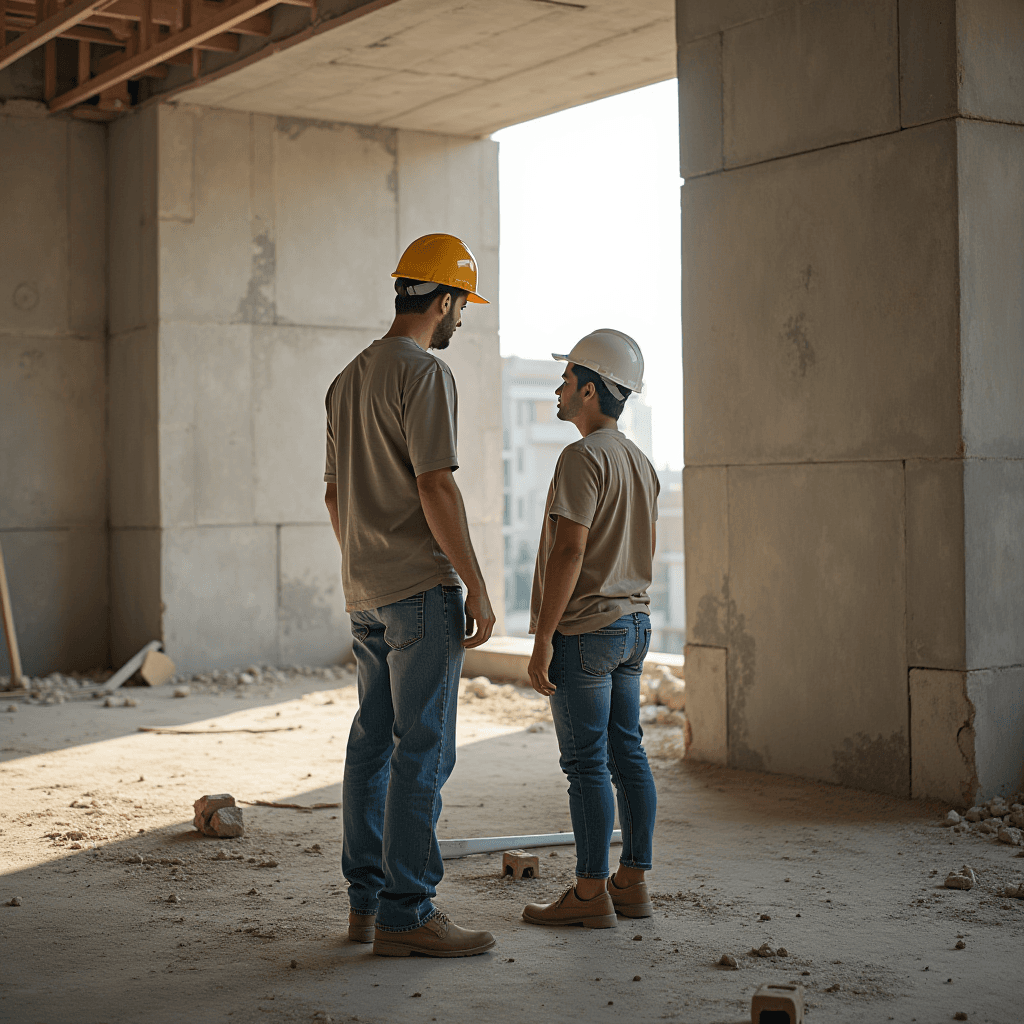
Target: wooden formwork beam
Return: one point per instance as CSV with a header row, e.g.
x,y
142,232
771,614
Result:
x,y
49,28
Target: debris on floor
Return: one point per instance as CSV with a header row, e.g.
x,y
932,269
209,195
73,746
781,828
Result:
x,y
965,878
218,816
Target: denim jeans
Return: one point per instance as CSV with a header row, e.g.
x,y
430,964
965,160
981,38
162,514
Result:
x,y
400,753
596,708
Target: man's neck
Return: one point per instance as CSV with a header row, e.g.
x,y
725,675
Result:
x,y
408,325
586,425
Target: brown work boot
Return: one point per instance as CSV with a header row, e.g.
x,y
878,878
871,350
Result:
x,y
631,900
438,936
598,912
360,926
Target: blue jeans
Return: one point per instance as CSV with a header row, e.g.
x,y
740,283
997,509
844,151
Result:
x,y
400,753
596,708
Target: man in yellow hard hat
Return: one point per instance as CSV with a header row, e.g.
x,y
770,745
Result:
x,y
592,629
406,551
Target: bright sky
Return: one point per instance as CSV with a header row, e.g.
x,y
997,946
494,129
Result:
x,y
590,238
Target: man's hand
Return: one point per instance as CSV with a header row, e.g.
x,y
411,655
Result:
x,y
540,662
478,613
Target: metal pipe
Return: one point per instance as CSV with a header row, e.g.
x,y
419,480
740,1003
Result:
x,y
453,849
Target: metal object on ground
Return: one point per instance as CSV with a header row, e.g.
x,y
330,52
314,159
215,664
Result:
x,y
452,849
778,1004
131,666
13,655
520,864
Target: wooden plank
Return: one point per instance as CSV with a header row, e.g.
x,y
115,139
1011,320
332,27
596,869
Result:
x,y
13,655
83,60
49,28
189,38
49,69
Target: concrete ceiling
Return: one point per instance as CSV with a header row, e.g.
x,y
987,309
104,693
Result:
x,y
461,67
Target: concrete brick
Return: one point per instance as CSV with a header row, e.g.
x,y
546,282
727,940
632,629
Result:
x,y
998,730
928,61
812,76
87,229
176,189
706,538
991,200
206,262
219,590
350,217
994,557
935,564
817,642
58,585
700,107
312,625
206,427
707,703
795,348
941,738
990,40
292,368
53,466
132,438
132,211
135,613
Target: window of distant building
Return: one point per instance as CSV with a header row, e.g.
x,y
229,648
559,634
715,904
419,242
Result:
x,y
519,461
520,508
508,471
507,517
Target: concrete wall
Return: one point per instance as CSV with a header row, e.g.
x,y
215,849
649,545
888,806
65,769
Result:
x,y
53,467
272,241
853,363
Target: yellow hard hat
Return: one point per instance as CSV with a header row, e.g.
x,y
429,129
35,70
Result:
x,y
441,259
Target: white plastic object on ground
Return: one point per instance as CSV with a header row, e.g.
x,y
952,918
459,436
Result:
x,y
453,849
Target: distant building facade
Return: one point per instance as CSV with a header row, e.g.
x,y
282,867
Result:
x,y
533,438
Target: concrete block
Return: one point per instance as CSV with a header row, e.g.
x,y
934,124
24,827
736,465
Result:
x,y
998,730
53,467
58,585
87,229
312,625
817,640
928,61
941,738
994,560
990,41
700,107
812,76
292,368
132,158
935,564
350,218
135,610
706,538
784,359
206,262
206,424
991,199
176,178
520,864
707,703
156,668
219,590
132,431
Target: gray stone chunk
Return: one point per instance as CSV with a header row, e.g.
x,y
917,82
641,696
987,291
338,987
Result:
x,y
206,806
227,822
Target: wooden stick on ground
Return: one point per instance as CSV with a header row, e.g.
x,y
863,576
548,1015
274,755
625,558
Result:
x,y
291,807
211,732
13,655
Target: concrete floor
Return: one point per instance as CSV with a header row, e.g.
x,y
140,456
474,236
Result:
x,y
850,882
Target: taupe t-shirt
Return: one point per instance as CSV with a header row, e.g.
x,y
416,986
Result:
x,y
392,414
603,482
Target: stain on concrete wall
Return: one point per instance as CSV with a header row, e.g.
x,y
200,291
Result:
x,y
877,763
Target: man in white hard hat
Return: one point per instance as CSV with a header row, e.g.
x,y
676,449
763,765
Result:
x,y
401,524
589,615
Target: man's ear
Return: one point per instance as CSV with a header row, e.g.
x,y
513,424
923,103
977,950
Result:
x,y
446,303
587,395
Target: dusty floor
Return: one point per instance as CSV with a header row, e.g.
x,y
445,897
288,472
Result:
x,y
95,839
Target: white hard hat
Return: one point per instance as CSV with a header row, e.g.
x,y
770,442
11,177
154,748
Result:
x,y
612,354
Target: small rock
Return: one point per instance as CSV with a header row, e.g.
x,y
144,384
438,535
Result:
x,y
959,1015
481,687
1013,836
988,827
782,951
962,879
975,814
638,938
765,950
960,944
765,917
206,806
726,960
219,855
952,818
227,823
671,691
1015,891
130,702
14,901
294,964
246,678
182,691
173,898
110,703
267,864
11,708
536,727
636,977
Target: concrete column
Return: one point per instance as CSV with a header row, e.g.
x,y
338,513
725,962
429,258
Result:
x,y
853,355
267,269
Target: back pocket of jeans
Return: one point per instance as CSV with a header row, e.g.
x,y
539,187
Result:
x,y
403,622
602,650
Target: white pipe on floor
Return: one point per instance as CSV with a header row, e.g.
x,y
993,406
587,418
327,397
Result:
x,y
452,849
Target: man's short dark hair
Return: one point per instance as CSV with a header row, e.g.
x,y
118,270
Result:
x,y
421,303
610,405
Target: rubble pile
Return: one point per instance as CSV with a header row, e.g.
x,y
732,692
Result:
x,y
660,686
998,817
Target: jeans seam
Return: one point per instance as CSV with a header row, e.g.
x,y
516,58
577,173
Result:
x,y
625,798
576,755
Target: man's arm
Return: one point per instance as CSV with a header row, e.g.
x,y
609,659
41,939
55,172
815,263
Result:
x,y
560,576
654,539
443,507
331,501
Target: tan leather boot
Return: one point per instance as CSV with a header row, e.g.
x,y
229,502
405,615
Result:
x,y
440,936
570,909
360,926
631,900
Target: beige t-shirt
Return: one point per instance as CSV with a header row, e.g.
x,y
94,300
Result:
x,y
391,415
603,482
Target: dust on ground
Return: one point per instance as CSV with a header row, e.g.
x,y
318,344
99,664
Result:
x,y
128,914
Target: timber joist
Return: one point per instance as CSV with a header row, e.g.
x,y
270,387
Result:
x,y
144,38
